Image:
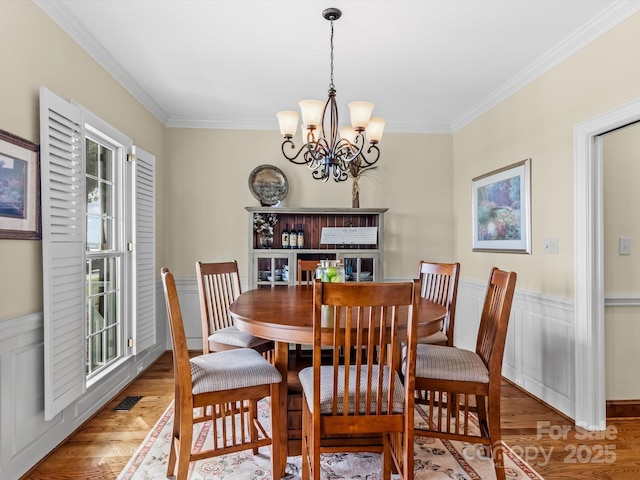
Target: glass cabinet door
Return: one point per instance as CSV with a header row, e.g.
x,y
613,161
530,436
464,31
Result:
x,y
361,267
272,269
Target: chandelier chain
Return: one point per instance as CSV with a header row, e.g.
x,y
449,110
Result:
x,y
331,85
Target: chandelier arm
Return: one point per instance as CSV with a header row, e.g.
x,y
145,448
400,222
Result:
x,y
320,173
369,163
294,157
339,175
348,151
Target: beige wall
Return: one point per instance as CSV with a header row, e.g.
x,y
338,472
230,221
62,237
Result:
x,y
537,122
38,53
622,272
208,192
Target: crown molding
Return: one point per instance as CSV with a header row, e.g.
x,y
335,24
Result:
x,y
599,25
234,124
61,16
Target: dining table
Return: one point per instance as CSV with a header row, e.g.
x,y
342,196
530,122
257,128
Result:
x,y
284,314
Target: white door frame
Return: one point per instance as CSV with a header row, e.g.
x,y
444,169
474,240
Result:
x,y
590,401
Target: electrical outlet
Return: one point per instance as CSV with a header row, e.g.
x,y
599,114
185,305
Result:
x,y
140,368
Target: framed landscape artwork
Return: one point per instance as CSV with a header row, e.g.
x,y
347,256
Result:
x,y
19,188
502,209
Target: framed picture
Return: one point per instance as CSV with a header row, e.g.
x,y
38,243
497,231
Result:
x,y
19,188
502,209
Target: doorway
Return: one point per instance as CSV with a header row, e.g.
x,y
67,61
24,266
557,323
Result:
x,y
590,395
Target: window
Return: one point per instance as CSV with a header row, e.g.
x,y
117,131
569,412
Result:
x,y
104,253
98,240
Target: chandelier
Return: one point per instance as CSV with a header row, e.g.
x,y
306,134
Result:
x,y
334,152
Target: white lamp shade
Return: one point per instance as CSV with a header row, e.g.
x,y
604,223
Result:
x,y
288,121
375,128
360,113
311,112
348,133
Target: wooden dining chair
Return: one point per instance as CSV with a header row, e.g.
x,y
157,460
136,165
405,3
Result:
x,y
452,377
218,287
224,388
306,273
358,402
439,283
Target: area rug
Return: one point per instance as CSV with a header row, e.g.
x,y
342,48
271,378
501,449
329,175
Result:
x,y
434,459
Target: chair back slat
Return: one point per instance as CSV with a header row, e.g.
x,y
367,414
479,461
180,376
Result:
x,y
439,283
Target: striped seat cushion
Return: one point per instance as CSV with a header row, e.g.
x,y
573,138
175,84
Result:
x,y
438,337
239,368
449,363
327,394
233,336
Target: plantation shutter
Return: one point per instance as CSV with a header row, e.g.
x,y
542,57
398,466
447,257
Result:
x,y
144,250
63,245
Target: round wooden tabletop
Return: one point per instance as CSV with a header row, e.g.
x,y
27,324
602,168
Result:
x,y
285,314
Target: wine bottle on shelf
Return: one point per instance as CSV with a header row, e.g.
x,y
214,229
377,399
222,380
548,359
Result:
x,y
285,238
300,236
293,237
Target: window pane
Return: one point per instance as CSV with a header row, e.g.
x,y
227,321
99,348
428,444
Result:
x,y
105,194
112,346
93,233
92,154
93,197
97,276
110,276
96,351
106,164
110,314
107,234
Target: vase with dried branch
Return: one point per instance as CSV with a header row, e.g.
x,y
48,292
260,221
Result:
x,y
357,170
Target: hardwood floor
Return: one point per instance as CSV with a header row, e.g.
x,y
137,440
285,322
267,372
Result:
x,y
548,441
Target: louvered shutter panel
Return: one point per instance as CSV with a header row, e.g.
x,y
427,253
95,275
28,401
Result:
x,y
63,245
144,251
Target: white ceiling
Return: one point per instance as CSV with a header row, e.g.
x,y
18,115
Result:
x,y
428,65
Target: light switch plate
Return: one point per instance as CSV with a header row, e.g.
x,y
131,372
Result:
x,y
624,246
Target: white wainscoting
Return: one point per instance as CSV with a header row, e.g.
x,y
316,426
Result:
x,y
539,353
25,436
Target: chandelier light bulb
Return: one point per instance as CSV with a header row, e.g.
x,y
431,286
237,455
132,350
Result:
x,y
374,129
288,121
360,114
311,112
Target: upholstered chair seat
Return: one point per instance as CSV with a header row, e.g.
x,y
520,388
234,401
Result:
x,y
231,369
327,393
234,337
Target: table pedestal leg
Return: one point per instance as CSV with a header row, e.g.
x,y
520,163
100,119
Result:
x,y
282,364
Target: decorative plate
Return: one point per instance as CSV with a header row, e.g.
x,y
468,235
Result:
x,y
268,184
